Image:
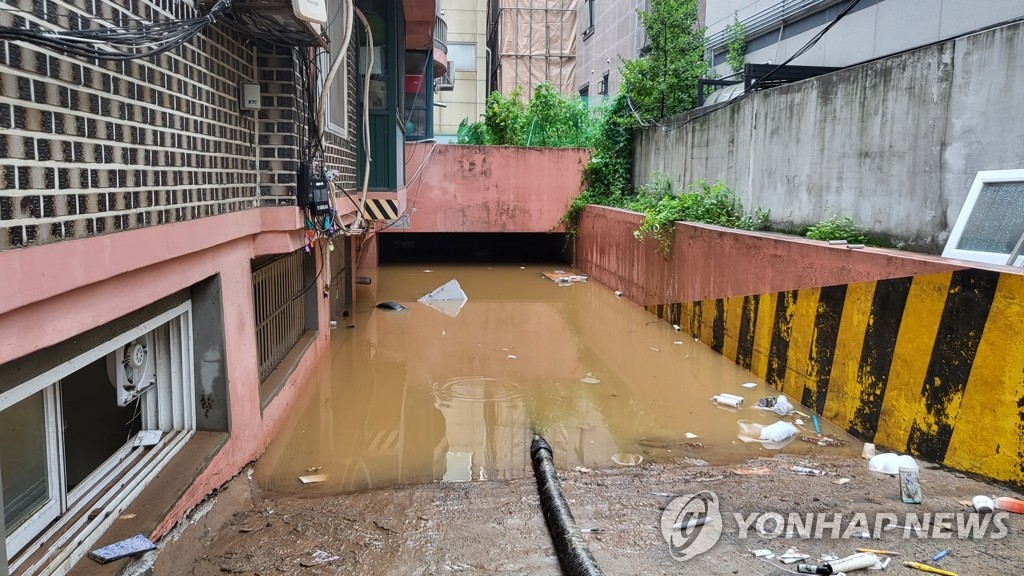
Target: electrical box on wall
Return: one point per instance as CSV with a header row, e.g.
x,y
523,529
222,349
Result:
x,y
249,95
310,10
313,192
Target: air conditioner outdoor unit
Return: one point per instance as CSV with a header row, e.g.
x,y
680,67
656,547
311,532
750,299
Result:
x,y
446,83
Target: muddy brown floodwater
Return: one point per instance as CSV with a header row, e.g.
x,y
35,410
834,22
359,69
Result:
x,y
414,409
443,393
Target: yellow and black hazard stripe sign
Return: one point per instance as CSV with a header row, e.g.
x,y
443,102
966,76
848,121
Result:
x,y
381,209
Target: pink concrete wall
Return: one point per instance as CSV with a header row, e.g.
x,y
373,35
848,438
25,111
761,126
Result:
x,y
489,188
714,262
58,290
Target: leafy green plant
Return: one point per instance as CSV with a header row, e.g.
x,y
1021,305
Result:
x,y
702,202
664,81
838,228
736,44
547,120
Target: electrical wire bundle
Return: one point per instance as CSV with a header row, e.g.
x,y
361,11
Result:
x,y
136,40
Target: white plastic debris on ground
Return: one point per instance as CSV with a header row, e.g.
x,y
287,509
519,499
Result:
x,y
447,299
772,437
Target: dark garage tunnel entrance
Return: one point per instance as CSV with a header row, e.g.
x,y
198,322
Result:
x,y
473,247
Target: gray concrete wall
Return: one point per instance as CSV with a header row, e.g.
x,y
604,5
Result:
x,y
894,144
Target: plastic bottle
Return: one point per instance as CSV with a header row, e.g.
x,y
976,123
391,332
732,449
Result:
x,y
1010,504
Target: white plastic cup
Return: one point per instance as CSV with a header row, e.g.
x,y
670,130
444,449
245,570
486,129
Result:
x,y
868,452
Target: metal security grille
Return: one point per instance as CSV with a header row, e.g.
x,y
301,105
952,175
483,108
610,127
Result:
x,y
277,290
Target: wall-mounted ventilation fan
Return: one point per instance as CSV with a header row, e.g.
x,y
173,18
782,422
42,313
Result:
x,y
131,368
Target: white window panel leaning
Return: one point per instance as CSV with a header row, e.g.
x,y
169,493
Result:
x,y
462,56
990,227
50,500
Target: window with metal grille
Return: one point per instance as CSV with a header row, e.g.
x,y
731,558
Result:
x,y
277,292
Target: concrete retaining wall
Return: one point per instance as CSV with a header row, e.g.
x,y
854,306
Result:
x,y
917,354
895,144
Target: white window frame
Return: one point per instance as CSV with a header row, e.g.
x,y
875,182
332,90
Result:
x,y
456,64
951,250
169,407
338,93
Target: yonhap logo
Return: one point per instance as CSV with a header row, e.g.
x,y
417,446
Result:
x,y
691,524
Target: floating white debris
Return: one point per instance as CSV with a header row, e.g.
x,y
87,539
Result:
x,y
750,385
511,357
691,435
448,299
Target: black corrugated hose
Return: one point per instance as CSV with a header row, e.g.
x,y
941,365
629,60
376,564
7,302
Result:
x,y
572,552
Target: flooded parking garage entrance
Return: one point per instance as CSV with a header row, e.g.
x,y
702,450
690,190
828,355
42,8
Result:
x,y
423,395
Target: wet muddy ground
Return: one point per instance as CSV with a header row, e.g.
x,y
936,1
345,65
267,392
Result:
x,y
497,527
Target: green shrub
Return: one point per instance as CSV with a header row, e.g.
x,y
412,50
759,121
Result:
x,y
547,120
838,228
702,202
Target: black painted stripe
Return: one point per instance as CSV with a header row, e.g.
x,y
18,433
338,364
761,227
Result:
x,y
827,318
782,331
675,314
696,312
718,327
887,306
963,319
659,311
748,326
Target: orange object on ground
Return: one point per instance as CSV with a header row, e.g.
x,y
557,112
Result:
x,y
1010,505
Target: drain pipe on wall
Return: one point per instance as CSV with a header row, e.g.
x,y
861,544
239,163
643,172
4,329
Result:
x,y
566,536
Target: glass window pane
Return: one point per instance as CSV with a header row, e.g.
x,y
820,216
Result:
x,y
462,56
23,460
997,221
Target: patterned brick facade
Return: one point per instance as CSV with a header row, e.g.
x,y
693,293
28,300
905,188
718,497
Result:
x,y
90,147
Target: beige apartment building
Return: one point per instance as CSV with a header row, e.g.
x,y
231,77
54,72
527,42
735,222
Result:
x,y
463,91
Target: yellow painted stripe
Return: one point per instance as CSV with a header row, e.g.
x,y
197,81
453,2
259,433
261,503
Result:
x,y
798,354
987,438
733,311
903,402
844,387
707,320
763,334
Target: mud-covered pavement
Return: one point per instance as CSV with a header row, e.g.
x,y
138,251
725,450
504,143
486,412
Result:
x,y
497,527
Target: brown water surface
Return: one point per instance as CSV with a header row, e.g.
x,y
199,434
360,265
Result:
x,y
419,395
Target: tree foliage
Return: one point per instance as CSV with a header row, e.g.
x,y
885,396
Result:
x,y
664,81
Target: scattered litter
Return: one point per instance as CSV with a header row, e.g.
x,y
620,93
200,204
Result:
x,y
857,561
591,530
511,357
428,270
582,470
676,327
314,469
749,385
126,516
128,547
691,435
751,432
804,471
618,294
730,400
823,440
861,534
854,246
334,324
752,471
627,459
1010,505
790,556
780,405
313,478
522,267
942,554
817,426
778,432
868,451
762,553
831,557
655,349
589,379
885,562
910,485
983,504
444,332
148,438
695,461
318,557
837,242
448,298
390,305
890,463
841,481
878,552
677,342
694,444
927,568
565,278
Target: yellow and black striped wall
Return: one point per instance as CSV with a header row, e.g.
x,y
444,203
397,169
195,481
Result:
x,y
931,365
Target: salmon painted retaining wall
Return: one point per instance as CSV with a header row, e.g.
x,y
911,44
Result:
x,y
926,362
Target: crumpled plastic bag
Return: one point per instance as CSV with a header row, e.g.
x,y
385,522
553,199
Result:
x,y
772,437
